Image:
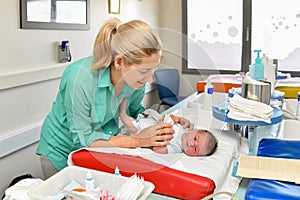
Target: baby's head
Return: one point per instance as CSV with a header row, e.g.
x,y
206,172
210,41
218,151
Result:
x,y
199,143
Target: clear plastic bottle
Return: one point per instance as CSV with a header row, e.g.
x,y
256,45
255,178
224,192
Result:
x,y
117,171
208,92
89,182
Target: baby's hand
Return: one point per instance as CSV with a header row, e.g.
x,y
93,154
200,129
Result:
x,y
185,123
174,118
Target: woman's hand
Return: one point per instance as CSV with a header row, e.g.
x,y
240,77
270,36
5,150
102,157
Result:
x,y
185,123
156,135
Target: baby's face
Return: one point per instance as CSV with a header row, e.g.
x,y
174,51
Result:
x,y
193,142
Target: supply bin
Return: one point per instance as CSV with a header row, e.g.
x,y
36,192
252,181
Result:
x,y
105,181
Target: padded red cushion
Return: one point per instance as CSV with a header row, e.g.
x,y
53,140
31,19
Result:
x,y
167,181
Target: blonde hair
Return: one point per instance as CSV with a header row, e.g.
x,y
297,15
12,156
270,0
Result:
x,y
132,40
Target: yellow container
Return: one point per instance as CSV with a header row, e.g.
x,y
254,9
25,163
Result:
x,y
290,87
290,91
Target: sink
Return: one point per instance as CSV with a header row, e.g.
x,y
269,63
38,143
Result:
x,y
289,129
217,98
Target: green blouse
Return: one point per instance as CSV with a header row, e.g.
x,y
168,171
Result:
x,y
86,109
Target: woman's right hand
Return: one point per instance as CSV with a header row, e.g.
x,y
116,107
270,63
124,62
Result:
x,y
156,135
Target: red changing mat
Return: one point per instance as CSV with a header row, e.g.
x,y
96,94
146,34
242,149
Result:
x,y
167,181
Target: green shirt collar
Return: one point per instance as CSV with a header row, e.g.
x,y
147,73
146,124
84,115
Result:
x,y
104,78
105,81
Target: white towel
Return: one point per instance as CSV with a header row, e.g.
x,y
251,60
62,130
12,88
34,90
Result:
x,y
249,110
20,190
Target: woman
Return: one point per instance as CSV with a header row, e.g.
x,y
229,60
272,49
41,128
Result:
x,y
85,113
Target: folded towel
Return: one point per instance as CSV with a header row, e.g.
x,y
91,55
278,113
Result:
x,y
249,110
237,115
252,81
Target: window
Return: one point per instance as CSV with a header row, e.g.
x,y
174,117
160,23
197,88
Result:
x,y
55,14
276,31
221,35
214,35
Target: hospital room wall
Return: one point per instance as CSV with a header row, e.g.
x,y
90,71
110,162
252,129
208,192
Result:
x,y
30,74
170,22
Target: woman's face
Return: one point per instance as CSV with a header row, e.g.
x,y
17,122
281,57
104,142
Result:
x,y
137,75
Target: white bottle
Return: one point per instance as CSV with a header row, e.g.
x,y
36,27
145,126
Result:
x,y
117,171
269,71
265,62
89,182
298,105
208,92
251,71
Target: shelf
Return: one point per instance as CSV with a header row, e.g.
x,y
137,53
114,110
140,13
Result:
x,y
220,112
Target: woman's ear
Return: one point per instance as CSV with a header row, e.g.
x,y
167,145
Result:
x,y
118,62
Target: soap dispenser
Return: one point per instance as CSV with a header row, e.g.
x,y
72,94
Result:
x,y
64,53
258,67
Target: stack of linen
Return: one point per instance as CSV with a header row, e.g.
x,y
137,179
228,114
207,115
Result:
x,y
249,110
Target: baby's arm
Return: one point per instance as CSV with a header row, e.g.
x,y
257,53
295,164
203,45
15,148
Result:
x,y
160,149
127,120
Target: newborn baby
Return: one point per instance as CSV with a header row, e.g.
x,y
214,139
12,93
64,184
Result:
x,y
194,142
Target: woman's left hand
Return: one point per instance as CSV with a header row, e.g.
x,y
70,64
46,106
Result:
x,y
185,123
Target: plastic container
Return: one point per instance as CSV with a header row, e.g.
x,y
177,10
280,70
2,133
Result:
x,y
258,67
208,101
269,71
60,180
260,91
89,182
251,71
290,129
290,87
117,171
298,105
222,82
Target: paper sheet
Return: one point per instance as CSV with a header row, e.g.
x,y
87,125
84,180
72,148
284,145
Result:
x,y
269,168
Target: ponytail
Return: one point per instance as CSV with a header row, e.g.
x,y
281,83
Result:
x,y
133,40
102,48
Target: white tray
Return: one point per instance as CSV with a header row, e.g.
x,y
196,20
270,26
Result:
x,y
54,184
